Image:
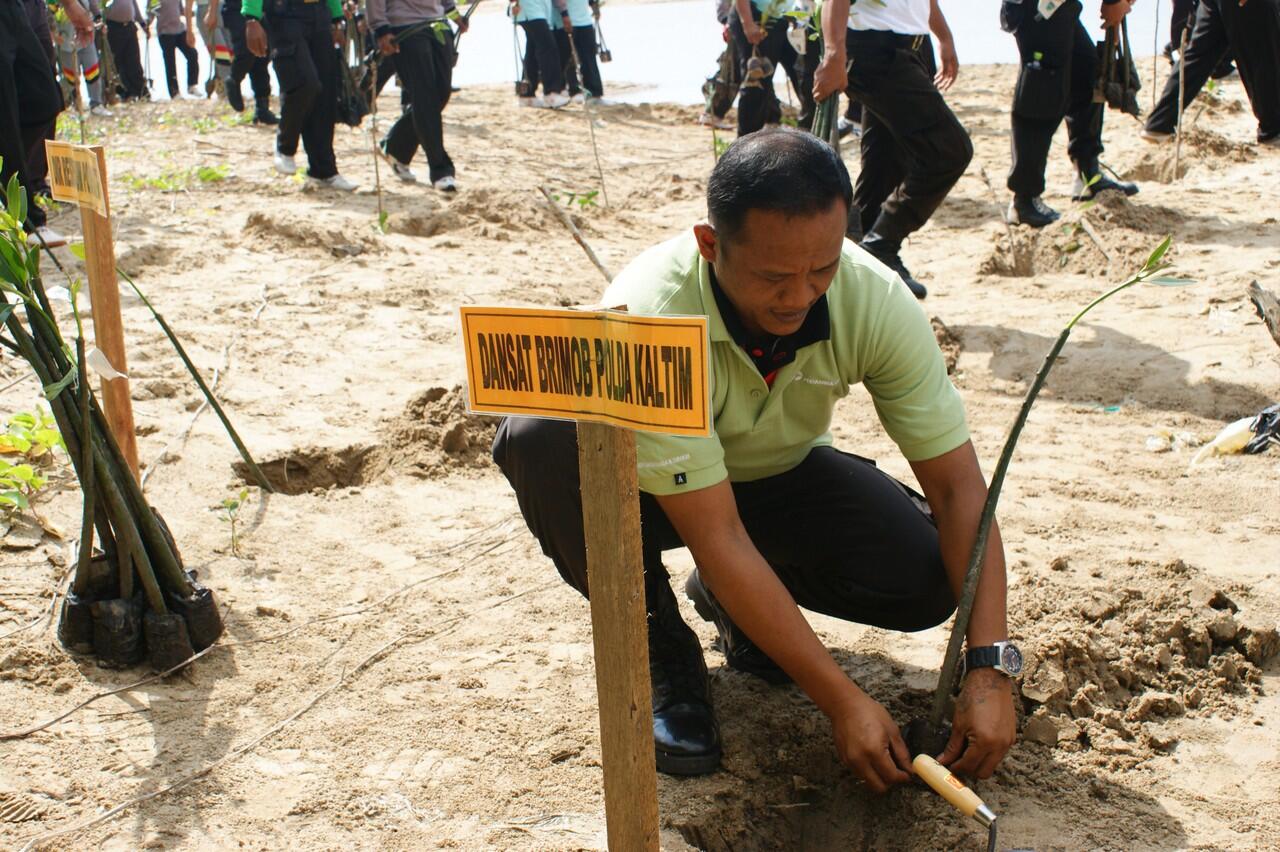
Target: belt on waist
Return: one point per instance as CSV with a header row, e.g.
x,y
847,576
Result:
x,y
907,42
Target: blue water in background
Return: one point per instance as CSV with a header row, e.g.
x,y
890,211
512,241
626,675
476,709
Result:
x,y
664,51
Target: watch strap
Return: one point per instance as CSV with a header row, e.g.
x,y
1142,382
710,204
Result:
x,y
986,657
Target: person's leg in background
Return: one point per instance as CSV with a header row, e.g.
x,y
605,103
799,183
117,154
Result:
x,y
123,40
1205,50
318,126
757,103
37,160
193,65
30,101
1253,31
584,40
168,52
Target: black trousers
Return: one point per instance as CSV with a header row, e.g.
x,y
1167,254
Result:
x,y
884,162
305,60
1252,34
37,159
123,40
170,45
758,104
541,59
30,100
845,539
243,62
425,67
584,41
1059,84
918,139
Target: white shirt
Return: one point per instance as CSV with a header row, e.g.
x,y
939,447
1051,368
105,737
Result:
x,y
905,17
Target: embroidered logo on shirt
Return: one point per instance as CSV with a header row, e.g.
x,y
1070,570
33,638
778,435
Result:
x,y
682,479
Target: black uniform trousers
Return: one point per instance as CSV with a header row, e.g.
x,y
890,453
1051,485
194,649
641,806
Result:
x,y
425,66
170,45
757,103
302,52
37,159
541,59
1059,84
123,40
845,539
884,161
584,42
243,62
30,99
916,140
1252,34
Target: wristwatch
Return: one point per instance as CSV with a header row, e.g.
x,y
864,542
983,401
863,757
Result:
x,y
1004,657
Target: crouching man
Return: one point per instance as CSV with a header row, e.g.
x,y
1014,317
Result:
x,y
777,518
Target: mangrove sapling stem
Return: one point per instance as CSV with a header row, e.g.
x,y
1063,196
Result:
x,y
259,477
973,572
577,235
86,483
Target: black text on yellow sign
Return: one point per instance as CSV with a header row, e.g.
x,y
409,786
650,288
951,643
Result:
x,y
644,373
75,175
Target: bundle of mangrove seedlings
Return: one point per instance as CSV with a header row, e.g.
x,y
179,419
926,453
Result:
x,y
131,598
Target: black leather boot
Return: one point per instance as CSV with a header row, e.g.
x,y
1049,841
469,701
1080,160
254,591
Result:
x,y
235,99
1030,210
886,250
262,113
1090,180
739,651
686,737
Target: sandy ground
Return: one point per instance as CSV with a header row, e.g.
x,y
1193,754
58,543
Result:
x,y
402,668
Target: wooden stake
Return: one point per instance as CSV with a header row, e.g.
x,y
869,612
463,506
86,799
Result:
x,y
108,331
615,572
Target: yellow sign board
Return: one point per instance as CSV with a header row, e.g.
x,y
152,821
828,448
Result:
x,y
76,175
644,373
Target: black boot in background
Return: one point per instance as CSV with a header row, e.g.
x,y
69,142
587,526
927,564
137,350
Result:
x,y
1090,180
685,735
739,651
262,113
886,251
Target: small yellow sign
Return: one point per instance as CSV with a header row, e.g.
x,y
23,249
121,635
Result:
x,y
76,175
645,373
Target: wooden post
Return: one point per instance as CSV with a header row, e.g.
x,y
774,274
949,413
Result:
x,y
108,331
615,570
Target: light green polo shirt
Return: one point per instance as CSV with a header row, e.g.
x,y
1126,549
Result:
x,y
879,337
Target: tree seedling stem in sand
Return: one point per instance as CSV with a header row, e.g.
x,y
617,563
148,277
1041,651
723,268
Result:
x,y
231,507
924,735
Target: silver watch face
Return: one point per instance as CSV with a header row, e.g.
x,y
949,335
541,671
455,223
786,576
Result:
x,y
1011,660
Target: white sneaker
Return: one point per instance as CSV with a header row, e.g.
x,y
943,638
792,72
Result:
x,y
1155,135
446,184
285,164
578,99
50,237
710,120
100,111
399,169
195,92
534,102
337,182
600,102
555,100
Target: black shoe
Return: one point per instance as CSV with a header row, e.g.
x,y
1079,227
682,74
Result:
x,y
1030,210
739,651
686,738
264,115
887,253
234,96
1090,181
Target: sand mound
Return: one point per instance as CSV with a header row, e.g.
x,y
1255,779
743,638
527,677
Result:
x,y
1114,237
948,342
289,233
434,437
483,212
1165,644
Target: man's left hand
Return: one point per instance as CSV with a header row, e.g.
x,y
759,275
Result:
x,y
1113,13
340,35
985,725
950,65
462,24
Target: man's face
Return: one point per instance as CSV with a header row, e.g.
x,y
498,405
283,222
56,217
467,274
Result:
x,y
777,266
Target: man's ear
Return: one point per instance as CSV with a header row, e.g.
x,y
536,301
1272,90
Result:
x,y
708,243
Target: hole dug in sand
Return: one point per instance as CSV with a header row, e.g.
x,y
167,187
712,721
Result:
x,y
433,437
1115,236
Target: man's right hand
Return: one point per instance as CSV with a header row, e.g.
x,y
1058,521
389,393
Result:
x,y
211,17
1113,13
387,44
753,32
830,77
255,37
869,743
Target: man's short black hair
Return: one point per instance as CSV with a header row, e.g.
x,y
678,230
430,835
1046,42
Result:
x,y
789,171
